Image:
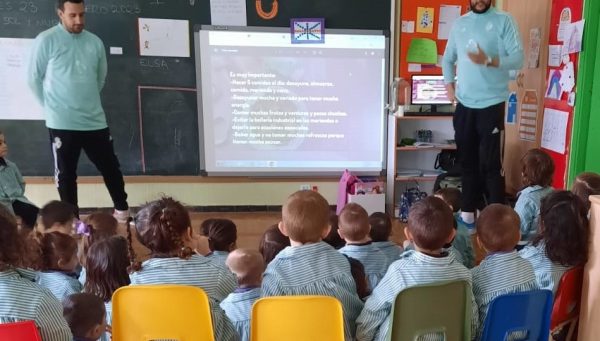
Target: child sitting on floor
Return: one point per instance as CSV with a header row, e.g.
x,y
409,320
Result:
x,y
58,216
502,271
248,266
58,261
272,242
85,315
381,228
354,229
430,227
462,241
310,266
222,235
96,227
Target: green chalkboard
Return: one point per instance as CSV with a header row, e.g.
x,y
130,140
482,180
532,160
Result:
x,y
150,102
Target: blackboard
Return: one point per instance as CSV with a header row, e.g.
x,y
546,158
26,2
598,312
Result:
x,y
150,102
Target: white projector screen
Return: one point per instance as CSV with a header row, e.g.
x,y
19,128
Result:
x,y
270,107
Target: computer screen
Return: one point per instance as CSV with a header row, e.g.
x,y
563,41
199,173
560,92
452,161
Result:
x,y
429,90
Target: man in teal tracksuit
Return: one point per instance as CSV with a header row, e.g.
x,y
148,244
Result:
x,y
483,46
66,73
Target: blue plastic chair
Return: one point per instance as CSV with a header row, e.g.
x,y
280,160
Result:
x,y
519,317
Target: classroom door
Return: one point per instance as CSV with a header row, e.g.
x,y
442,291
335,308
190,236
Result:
x,y
533,19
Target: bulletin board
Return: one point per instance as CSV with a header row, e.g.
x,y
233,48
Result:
x,y
409,12
561,102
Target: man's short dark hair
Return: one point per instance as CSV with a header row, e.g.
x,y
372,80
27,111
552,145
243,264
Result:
x,y
61,3
83,312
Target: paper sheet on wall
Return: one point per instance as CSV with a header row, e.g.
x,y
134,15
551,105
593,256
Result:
x,y
448,14
554,88
573,37
554,130
425,17
422,51
408,26
164,37
535,38
228,12
414,67
554,55
564,20
567,77
17,101
528,117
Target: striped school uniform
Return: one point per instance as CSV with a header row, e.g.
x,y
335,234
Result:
x,y
197,271
238,308
412,269
391,250
60,283
23,300
314,269
528,209
499,274
373,260
218,257
547,273
108,307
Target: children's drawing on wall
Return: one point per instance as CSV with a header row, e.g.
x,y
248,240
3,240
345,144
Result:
x,y
554,90
573,37
554,130
511,109
533,60
425,17
164,37
529,113
565,20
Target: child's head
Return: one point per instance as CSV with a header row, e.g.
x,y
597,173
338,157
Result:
x,y
164,227
451,196
106,267
430,224
58,216
498,228
354,223
11,242
537,168
85,314
58,251
247,265
564,228
360,277
221,234
97,226
272,242
586,184
305,217
3,145
381,226
333,237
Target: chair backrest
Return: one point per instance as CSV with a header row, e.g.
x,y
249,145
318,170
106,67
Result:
x,y
434,308
519,316
297,318
167,312
568,297
22,331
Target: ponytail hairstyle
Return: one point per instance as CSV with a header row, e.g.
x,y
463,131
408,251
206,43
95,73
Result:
x,y
97,226
107,267
160,226
221,234
564,228
55,247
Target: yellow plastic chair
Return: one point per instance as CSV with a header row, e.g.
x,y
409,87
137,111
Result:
x,y
297,318
161,312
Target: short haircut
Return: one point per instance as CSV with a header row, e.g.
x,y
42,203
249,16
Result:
x,y
221,233
247,265
83,312
333,237
498,228
55,211
60,4
430,221
451,196
537,168
272,242
354,222
305,216
586,184
381,226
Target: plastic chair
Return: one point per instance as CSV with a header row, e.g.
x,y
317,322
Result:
x,y
297,318
519,316
565,311
22,331
433,308
151,312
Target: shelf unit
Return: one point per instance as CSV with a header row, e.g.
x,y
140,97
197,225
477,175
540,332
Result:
x,y
412,157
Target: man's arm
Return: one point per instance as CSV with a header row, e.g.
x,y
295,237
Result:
x,y
512,45
449,66
38,62
102,67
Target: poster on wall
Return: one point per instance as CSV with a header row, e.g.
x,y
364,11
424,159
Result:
x,y
554,130
425,16
528,118
535,38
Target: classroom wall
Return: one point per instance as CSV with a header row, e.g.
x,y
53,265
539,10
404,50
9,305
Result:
x,y
209,192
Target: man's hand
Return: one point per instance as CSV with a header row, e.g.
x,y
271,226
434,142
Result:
x,y
478,58
451,92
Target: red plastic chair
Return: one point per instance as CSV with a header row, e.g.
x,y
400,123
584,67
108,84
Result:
x,y
22,331
565,311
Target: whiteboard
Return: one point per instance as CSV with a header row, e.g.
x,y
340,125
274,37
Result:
x,y
17,101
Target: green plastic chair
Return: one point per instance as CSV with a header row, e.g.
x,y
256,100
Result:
x,y
434,308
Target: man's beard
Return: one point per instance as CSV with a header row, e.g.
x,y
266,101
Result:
x,y
475,10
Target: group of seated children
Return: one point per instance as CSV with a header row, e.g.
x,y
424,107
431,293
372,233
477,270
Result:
x,y
310,252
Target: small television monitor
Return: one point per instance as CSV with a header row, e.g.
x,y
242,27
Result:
x,y
429,90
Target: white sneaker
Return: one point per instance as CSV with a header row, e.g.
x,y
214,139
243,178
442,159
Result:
x,y
121,216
